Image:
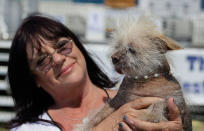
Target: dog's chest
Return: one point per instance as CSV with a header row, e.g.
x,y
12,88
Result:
x,y
160,87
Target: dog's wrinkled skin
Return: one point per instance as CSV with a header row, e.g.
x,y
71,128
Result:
x,y
138,51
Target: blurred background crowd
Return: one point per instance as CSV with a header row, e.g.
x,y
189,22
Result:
x,y
93,21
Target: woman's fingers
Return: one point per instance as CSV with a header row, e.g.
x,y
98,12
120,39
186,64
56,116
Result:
x,y
124,127
147,126
174,113
136,124
144,102
140,125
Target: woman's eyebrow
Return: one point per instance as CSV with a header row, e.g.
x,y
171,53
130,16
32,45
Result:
x,y
62,41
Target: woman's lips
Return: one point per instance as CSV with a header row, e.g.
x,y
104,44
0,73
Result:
x,y
66,70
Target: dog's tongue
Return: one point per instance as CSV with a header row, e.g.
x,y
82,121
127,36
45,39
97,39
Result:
x,y
119,71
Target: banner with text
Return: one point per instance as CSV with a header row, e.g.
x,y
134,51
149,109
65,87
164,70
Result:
x,y
188,67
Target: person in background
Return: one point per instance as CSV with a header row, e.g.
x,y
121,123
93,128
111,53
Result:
x,y
55,84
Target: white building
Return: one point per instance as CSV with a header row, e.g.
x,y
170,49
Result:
x,y
171,8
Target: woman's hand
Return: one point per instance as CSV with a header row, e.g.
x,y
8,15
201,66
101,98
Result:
x,y
175,123
136,108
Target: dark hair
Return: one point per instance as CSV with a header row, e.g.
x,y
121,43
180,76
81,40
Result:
x,y
31,101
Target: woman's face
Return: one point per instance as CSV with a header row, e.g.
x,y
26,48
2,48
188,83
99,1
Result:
x,y
59,65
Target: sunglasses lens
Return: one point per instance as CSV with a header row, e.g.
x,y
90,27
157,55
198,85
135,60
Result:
x,y
46,65
66,49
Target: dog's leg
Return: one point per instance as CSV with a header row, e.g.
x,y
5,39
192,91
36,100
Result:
x,y
157,112
99,117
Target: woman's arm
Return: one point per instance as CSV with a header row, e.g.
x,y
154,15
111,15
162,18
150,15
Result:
x,y
121,118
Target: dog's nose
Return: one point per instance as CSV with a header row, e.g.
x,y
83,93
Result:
x,y
115,59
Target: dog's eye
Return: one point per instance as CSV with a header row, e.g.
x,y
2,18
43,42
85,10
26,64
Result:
x,y
131,50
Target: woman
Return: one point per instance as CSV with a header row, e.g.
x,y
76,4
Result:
x,y
55,83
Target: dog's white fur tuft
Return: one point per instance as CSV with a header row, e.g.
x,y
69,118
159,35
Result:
x,y
132,29
131,32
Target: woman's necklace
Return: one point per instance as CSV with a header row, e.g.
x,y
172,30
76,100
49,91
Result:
x,y
106,99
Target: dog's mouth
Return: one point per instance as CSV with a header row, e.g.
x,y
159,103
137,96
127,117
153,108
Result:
x,y
118,69
123,69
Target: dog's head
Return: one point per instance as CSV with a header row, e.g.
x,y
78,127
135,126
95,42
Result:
x,y
139,48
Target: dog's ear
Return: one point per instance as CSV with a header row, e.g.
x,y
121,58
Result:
x,y
169,43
